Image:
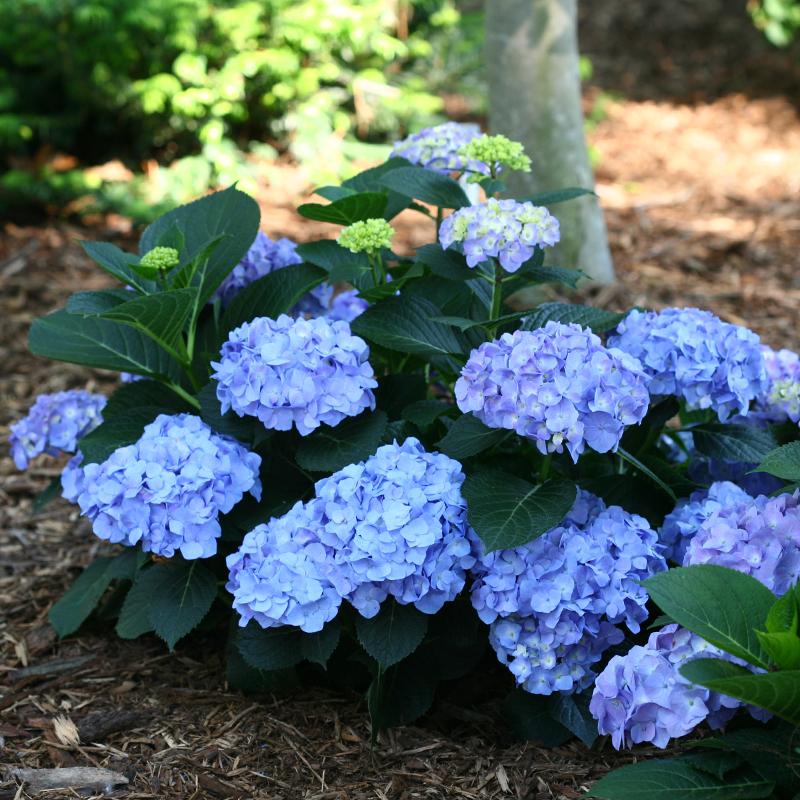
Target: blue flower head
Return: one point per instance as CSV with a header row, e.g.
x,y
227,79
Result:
x,y
301,373
692,354
437,148
54,425
558,386
167,491
781,399
502,229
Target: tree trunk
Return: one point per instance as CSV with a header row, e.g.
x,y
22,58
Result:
x,y
535,98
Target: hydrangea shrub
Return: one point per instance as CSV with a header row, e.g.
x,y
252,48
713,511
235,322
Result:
x,y
376,463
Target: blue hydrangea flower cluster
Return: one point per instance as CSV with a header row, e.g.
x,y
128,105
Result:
x,y
167,491
54,424
393,525
683,522
300,372
554,603
557,385
503,229
346,306
438,147
759,536
781,400
642,697
695,355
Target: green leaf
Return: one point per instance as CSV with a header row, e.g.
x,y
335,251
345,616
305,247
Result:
x,y
347,210
572,711
137,394
47,495
406,324
98,343
272,295
426,185
398,390
270,648
783,648
783,462
568,277
745,443
229,216
557,196
448,264
340,264
134,616
117,431
70,612
118,263
528,716
782,617
401,694
677,779
181,595
95,303
328,449
777,692
721,605
393,634
468,436
244,429
424,413
507,512
333,192
319,647
645,470
597,319
370,181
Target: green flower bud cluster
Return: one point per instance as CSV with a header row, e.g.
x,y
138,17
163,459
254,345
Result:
x,y
497,152
160,259
367,236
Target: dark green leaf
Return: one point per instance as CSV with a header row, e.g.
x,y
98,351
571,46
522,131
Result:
x,y
721,605
319,647
370,181
645,470
507,512
468,436
47,495
117,431
777,692
597,319
134,616
118,263
229,216
393,634
181,595
406,324
241,676
782,617
244,429
329,449
424,413
401,694
98,343
557,196
341,265
270,648
334,192
783,462
272,295
569,277
746,443
426,185
96,303
676,779
528,716
69,613
137,394
572,711
448,264
783,648
397,391
347,210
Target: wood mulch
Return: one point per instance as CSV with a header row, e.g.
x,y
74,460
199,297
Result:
x,y
702,196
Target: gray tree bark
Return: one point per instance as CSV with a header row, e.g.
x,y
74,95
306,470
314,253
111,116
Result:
x,y
535,98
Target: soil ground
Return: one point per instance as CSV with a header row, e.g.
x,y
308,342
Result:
x,y
699,174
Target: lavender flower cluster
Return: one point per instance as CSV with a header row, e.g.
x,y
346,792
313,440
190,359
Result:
x,y
289,372
393,525
781,400
554,604
54,424
642,697
167,491
503,229
557,385
692,354
438,147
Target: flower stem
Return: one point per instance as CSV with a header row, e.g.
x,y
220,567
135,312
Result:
x,y
497,292
179,390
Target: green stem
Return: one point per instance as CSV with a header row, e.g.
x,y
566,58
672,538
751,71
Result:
x,y
544,469
179,390
439,216
497,292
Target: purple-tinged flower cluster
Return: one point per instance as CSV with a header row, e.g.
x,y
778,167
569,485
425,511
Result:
x,y
393,525
300,372
54,425
683,522
167,491
346,306
264,256
758,536
781,400
503,229
554,603
642,697
693,354
437,148
557,385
